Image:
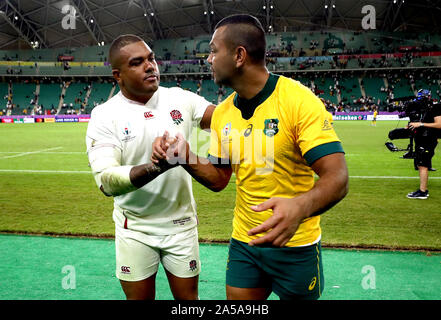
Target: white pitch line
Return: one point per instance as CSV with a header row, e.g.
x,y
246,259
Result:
x,y
46,152
387,177
46,171
31,152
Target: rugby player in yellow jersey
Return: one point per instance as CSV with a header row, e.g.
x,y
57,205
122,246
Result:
x,y
374,118
273,133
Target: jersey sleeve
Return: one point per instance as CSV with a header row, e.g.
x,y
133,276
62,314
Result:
x,y
313,128
215,153
198,105
100,134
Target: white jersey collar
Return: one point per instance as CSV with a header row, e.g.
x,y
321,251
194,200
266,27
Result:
x,y
151,103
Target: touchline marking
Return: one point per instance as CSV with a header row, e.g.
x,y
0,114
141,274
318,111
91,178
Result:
x,y
46,152
31,152
46,171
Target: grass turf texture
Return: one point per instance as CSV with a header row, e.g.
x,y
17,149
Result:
x,y
375,213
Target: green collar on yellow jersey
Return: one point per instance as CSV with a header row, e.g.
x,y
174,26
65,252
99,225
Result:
x,y
247,107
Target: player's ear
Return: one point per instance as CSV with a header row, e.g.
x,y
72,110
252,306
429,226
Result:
x,y
116,74
241,54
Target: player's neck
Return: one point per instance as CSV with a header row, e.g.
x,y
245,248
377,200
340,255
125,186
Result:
x,y
251,82
137,98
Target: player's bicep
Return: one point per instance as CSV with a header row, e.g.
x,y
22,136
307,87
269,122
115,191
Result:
x,y
206,118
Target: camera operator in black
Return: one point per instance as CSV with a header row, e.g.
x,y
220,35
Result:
x,y
426,133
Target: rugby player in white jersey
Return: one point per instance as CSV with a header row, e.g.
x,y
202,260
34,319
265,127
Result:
x,y
154,209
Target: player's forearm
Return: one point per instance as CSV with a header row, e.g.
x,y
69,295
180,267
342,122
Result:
x,y
142,174
204,172
325,194
116,181
331,187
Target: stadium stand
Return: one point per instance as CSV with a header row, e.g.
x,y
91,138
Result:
x,y
99,93
49,95
23,96
74,96
349,70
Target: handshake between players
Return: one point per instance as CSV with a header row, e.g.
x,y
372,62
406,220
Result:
x,y
173,150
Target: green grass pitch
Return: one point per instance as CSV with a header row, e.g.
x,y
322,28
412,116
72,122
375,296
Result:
x,y
46,187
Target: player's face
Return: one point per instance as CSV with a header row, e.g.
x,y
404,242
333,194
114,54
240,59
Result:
x,y
221,58
139,73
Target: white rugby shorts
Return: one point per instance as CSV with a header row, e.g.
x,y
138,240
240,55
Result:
x,y
138,255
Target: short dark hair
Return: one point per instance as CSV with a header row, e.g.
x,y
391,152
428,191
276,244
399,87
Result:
x,y
119,43
246,31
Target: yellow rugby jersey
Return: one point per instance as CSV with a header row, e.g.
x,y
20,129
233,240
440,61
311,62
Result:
x,y
270,142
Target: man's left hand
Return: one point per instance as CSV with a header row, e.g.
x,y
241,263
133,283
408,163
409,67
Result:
x,y
286,218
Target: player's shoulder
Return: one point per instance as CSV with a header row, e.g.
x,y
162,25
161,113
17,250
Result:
x,y
107,107
174,91
293,85
179,96
293,93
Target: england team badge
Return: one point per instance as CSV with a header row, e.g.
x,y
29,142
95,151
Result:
x,y
176,116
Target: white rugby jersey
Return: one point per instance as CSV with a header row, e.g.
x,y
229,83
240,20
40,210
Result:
x,y
166,204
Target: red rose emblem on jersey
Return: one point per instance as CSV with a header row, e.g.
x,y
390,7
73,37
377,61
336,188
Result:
x,y
176,116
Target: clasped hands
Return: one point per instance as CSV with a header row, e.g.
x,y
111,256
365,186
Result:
x,y
173,150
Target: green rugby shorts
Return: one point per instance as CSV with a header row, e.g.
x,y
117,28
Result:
x,y
290,272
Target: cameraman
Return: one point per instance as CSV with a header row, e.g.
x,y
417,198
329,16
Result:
x,y
426,139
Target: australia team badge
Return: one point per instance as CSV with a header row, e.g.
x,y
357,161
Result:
x,y
271,127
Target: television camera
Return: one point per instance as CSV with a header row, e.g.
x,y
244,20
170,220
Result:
x,y
415,108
